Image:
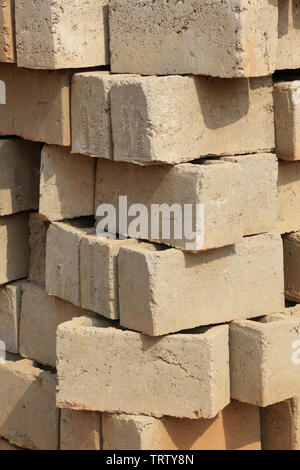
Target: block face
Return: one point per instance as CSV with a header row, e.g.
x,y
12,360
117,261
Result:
x,y
40,317
14,247
280,426
67,184
38,226
63,261
157,287
7,31
80,430
175,119
288,55
287,119
19,176
207,38
91,113
291,245
263,371
237,427
182,375
28,416
215,185
10,304
288,197
5,445
59,35
45,112
259,191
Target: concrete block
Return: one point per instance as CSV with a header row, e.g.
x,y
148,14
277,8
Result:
x,y
99,274
10,305
45,112
288,197
14,247
63,259
287,118
280,425
60,34
263,367
39,319
38,226
291,247
67,184
91,113
288,54
28,416
7,31
80,430
167,290
184,375
210,37
19,176
237,427
178,119
5,445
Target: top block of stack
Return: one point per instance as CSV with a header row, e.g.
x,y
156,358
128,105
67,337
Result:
x,y
219,38
61,34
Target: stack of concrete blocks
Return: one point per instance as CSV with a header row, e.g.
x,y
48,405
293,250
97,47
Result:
x,y
157,342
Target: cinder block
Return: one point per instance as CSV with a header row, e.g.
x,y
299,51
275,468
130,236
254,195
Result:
x,y
40,316
38,226
287,118
5,445
10,305
178,119
19,176
288,54
28,416
45,112
80,430
63,259
184,375
60,34
237,427
288,197
99,274
67,184
91,113
14,247
280,426
291,247
167,290
211,37
7,31
262,359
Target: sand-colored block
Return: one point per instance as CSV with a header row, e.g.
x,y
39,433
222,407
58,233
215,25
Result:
x,y
288,197
166,290
14,247
19,176
60,34
67,184
40,316
263,364
28,416
280,426
91,113
80,430
45,112
184,375
212,37
178,119
7,31
237,427
288,54
10,305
